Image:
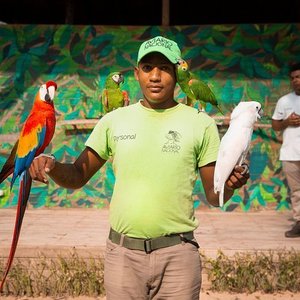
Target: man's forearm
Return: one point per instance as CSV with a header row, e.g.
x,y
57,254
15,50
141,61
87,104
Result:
x,y
279,125
67,176
213,198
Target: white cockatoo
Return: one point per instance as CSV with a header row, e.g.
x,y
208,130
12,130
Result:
x,y
235,143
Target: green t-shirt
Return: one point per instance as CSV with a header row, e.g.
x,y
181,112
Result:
x,y
156,155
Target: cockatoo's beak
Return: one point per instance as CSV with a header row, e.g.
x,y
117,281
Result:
x,y
260,113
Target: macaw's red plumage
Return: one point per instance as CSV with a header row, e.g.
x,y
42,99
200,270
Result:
x,y
35,136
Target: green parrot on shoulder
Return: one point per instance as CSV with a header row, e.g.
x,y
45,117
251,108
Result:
x,y
112,96
194,88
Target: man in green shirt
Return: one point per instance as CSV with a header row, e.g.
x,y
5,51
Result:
x,y
157,146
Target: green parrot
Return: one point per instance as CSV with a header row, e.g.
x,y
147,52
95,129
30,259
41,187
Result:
x,y
112,95
194,88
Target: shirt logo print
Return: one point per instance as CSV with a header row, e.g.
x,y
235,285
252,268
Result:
x,y
121,137
172,145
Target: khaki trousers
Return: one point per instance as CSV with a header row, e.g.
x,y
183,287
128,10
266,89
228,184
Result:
x,y
168,273
291,170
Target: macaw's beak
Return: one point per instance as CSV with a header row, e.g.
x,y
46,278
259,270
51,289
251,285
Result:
x,y
50,94
121,79
47,97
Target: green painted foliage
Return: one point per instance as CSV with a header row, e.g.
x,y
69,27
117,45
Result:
x,y
239,62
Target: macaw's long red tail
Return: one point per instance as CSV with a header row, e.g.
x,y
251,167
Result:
x,y
24,191
9,165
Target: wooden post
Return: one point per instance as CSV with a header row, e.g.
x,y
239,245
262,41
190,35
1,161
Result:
x,y
165,13
69,7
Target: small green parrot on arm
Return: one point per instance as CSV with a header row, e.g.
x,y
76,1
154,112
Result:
x,y
194,88
112,95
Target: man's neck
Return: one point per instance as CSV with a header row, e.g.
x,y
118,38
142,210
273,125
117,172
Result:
x,y
159,105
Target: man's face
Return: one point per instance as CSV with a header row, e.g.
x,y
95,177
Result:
x,y
156,76
295,81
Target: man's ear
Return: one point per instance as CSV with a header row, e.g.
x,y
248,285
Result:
x,y
136,73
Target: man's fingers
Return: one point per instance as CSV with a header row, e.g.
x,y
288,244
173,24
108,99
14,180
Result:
x,y
38,170
32,171
40,166
49,163
238,177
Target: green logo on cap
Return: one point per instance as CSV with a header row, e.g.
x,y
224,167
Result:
x,y
159,42
163,45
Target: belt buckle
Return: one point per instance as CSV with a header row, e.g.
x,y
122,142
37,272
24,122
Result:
x,y
147,246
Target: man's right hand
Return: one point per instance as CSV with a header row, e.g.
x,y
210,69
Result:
x,y
294,119
41,166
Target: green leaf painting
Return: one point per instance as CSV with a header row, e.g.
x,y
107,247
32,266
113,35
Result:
x,y
239,62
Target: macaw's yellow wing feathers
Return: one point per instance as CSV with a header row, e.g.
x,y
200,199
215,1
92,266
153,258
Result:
x,y
30,140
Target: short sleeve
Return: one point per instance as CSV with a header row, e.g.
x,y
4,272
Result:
x,y
210,146
99,138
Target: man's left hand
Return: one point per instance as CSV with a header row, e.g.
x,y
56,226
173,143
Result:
x,y
238,177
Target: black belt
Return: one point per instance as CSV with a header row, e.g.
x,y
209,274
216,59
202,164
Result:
x,y
149,245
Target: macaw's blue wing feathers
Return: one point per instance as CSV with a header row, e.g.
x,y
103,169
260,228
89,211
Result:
x,y
24,191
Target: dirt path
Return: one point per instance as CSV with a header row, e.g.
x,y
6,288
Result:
x,y
205,295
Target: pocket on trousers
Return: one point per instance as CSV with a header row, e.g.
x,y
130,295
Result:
x,y
110,246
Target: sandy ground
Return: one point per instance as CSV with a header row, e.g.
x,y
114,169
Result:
x,y
205,295
53,230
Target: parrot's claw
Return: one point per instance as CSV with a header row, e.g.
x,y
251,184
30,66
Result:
x,y
246,169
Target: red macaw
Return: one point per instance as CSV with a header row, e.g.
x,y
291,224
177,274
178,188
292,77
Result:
x,y
35,136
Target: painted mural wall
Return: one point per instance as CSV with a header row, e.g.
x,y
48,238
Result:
x,y
239,62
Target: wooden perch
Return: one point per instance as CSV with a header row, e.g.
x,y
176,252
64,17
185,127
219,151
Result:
x,y
86,125
78,123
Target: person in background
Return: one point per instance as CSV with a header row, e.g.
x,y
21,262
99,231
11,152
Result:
x,y
157,146
286,118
